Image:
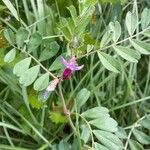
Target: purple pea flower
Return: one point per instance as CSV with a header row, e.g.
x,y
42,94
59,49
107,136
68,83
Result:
x,y
71,66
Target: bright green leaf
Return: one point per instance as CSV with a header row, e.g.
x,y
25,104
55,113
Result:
x,y
84,20
89,3
73,13
56,65
33,100
121,133
57,117
147,33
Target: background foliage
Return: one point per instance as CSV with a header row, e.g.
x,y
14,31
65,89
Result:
x,y
108,99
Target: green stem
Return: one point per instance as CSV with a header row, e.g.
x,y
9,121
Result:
x,y
130,133
130,103
114,44
88,127
66,111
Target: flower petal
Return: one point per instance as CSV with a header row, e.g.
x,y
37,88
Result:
x,y
46,94
64,61
67,73
72,61
76,68
52,85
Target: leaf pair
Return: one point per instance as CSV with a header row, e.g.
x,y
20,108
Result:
x,y
28,75
100,119
33,42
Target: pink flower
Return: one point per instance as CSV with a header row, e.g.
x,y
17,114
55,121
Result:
x,y
71,66
51,87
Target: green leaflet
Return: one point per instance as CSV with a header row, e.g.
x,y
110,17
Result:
x,y
9,35
21,36
50,51
98,146
105,39
63,145
85,135
141,137
145,20
105,123
127,53
131,22
34,41
10,56
29,76
95,112
107,143
142,47
116,30
146,122
134,145
111,137
42,82
22,66
109,62
82,96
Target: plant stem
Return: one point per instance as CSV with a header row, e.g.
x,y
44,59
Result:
x,y
91,132
66,111
114,44
130,133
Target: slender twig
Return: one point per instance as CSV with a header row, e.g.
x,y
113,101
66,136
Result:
x,y
91,132
66,111
51,74
130,103
114,44
130,133
24,51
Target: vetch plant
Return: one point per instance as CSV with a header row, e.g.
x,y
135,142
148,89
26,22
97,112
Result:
x,y
47,103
